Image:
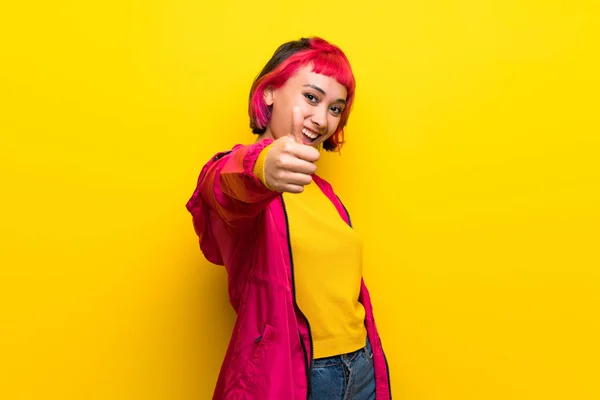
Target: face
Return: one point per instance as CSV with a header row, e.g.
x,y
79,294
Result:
x,y
320,98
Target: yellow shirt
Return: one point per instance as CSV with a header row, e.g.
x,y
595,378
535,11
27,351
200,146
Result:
x,y
327,256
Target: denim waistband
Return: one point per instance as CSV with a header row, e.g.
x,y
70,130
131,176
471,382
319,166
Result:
x,y
338,359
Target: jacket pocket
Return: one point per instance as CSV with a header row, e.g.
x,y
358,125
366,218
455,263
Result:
x,y
255,363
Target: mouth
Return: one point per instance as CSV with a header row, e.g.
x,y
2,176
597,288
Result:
x,y
309,134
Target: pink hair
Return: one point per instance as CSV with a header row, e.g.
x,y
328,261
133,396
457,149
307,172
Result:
x,y
326,59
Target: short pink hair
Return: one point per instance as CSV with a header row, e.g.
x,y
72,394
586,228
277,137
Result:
x,y
325,58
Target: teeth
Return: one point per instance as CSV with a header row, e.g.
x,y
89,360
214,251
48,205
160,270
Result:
x,y
310,134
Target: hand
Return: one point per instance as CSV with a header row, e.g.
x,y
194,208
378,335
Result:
x,y
290,163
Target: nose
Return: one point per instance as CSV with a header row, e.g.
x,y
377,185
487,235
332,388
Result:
x,y
319,117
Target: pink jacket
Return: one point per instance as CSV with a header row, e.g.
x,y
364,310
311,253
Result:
x,y
243,225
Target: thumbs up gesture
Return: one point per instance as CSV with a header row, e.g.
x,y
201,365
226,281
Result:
x,y
290,163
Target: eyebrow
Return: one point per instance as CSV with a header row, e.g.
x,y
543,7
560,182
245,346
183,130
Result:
x,y
318,89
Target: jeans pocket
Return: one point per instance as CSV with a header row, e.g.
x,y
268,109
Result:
x,y
368,350
328,382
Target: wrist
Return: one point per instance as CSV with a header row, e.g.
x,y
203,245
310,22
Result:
x,y
259,166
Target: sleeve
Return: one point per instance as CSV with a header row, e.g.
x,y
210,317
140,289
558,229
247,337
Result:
x,y
229,185
259,166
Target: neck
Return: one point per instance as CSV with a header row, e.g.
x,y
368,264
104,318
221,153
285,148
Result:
x,y
266,135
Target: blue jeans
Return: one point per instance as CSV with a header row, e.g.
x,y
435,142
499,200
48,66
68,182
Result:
x,y
344,377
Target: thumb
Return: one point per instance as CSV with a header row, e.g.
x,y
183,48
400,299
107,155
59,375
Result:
x,y
297,124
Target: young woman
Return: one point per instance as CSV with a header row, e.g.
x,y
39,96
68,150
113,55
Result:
x,y
305,326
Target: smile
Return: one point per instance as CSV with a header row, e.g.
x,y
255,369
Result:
x,y
310,134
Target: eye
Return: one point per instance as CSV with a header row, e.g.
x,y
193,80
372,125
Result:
x,y
337,110
311,97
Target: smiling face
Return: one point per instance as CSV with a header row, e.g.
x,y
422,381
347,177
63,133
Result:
x,y
321,99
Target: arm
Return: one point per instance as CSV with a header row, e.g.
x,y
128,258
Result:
x,y
235,185
230,184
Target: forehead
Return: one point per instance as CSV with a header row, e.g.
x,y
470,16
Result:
x,y
305,76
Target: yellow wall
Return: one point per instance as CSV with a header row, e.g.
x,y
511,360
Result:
x,y
471,171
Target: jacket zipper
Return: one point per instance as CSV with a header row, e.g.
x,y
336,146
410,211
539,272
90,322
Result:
x,y
308,364
387,367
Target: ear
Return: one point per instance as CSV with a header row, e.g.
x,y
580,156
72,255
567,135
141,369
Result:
x,y
269,96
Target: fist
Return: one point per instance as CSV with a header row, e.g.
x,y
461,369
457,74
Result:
x,y
290,163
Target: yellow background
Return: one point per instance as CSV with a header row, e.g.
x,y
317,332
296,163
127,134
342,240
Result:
x,y
471,171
